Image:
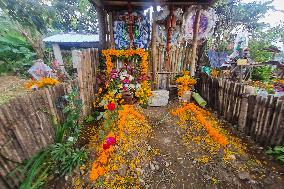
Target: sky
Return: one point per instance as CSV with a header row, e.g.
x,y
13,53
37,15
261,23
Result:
x,y
272,17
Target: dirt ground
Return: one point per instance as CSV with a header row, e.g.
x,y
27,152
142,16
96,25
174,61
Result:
x,y
179,169
176,165
11,87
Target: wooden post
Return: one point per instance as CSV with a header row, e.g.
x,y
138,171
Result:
x,y
195,42
243,113
154,47
102,27
110,25
58,57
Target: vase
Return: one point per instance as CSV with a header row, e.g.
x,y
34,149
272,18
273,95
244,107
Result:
x,y
186,97
127,97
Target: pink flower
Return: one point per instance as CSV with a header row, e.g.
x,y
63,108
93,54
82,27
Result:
x,y
111,140
126,80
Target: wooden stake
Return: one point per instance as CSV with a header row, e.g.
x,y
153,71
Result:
x,y
195,42
111,36
154,48
102,28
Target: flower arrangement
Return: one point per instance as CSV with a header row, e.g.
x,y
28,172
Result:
x,y
185,83
43,82
108,53
127,84
144,93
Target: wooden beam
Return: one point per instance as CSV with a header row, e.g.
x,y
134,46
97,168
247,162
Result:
x,y
98,3
154,48
102,28
195,42
111,35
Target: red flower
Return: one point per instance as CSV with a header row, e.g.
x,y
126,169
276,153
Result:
x,y
106,146
111,106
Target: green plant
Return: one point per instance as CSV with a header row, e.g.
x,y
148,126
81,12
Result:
x,y
67,157
36,170
262,73
277,152
64,156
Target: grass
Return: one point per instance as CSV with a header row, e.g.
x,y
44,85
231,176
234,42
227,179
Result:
x,y
11,87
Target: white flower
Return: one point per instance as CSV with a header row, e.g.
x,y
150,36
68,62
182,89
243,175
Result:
x,y
122,77
131,77
70,139
126,85
138,85
132,86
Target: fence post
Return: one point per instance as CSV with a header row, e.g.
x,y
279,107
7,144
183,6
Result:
x,y
243,112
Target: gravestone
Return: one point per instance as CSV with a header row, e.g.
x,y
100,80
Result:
x,y
159,98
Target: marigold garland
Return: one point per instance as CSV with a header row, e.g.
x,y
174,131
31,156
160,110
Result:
x,y
144,93
185,83
127,53
43,82
198,113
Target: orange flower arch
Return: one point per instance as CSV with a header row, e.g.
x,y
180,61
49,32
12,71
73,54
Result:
x,y
127,53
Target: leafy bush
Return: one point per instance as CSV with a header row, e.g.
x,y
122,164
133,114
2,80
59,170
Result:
x,y
277,152
262,73
68,158
16,54
62,157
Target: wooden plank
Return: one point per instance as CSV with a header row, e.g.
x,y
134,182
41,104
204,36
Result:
x,y
195,42
260,116
251,107
272,124
267,118
278,126
255,116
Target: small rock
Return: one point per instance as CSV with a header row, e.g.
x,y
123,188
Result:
x,y
157,167
244,176
167,164
152,166
122,170
142,182
268,180
149,147
232,157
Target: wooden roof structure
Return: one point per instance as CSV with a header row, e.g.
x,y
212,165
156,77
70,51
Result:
x,y
117,5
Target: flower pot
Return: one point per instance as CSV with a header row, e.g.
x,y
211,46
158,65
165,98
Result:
x,y
127,97
186,97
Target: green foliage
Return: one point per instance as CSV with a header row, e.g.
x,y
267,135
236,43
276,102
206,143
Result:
x,y
234,14
37,170
64,156
16,54
277,152
262,73
68,158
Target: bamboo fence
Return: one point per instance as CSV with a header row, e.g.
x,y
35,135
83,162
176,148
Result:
x,y
26,123
178,57
262,118
27,127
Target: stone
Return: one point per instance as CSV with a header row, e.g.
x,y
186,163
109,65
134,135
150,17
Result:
x,y
157,167
152,166
159,98
244,176
186,97
122,170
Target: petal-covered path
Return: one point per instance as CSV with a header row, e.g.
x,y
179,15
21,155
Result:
x,y
186,160
173,147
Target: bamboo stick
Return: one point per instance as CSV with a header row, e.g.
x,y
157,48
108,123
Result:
x,y
195,42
